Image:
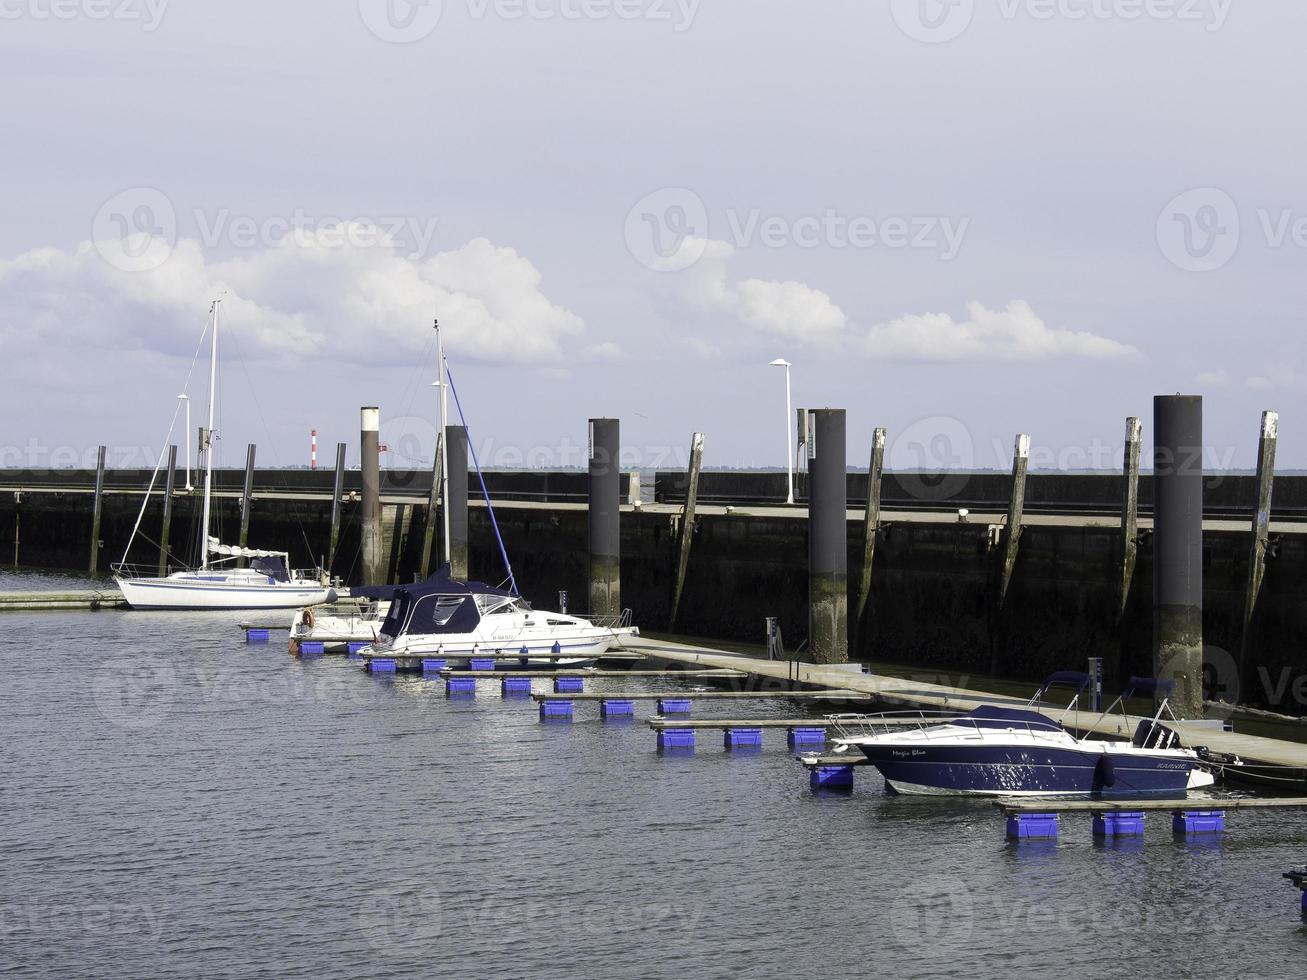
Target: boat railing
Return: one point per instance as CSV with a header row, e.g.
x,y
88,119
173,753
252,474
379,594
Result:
x,y
129,571
617,621
929,724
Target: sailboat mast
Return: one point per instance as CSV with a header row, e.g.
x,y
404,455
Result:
x,y
208,457
444,448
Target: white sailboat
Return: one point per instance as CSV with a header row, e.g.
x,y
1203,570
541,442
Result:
x,y
268,583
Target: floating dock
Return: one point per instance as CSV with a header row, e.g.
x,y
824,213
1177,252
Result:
x,y
82,599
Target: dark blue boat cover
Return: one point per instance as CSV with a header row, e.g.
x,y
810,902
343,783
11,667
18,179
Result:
x,y
438,605
992,716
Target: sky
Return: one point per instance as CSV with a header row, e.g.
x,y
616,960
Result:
x,y
958,220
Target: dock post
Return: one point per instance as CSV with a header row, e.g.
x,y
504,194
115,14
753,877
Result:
x,y
870,528
337,490
247,493
166,530
1261,535
828,536
433,504
605,519
1178,549
97,511
1129,513
687,527
370,447
1011,542
456,446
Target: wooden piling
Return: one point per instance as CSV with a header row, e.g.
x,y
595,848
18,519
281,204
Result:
x,y
1257,557
1178,549
1129,514
1010,544
247,496
434,503
338,488
457,447
98,510
828,536
166,531
374,562
687,527
870,529
604,519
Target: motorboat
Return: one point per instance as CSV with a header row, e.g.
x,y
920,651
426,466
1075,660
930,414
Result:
x,y
996,750
461,621
223,580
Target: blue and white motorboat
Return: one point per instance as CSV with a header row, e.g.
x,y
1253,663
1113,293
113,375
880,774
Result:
x,y
994,750
461,621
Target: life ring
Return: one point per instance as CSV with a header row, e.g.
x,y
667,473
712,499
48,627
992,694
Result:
x,y
308,618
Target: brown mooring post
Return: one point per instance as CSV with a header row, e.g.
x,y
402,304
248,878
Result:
x,y
166,531
828,537
247,497
605,518
687,527
434,503
1178,549
374,561
870,529
337,491
1257,558
1011,539
456,444
1129,514
98,510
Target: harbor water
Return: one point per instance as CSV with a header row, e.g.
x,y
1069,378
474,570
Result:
x,y
178,804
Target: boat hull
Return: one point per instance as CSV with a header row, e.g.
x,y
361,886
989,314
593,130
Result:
x,y
1028,770
166,594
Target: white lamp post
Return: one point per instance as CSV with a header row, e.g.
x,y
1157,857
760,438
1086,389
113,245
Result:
x,y
187,399
789,443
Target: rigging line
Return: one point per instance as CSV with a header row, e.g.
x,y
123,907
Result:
x,y
471,445
166,441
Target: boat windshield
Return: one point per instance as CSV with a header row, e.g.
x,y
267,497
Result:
x,y
494,605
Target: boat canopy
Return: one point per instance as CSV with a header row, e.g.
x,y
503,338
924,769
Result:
x,y
992,716
440,605
274,567
1148,685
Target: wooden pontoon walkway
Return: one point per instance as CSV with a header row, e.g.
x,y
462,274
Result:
x,y
1252,750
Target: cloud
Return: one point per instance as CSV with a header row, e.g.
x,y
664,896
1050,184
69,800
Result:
x,y
606,351
1013,334
1214,379
786,310
312,295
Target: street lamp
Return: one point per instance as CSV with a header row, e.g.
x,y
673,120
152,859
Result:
x,y
183,397
789,443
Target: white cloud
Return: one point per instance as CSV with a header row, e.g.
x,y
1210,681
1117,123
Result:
x,y
606,351
786,310
1214,379
1260,383
309,296
1013,334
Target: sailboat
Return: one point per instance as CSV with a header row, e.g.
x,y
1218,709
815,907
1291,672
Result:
x,y
446,618
268,583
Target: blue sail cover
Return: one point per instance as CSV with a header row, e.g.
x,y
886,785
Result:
x,y
387,592
438,605
274,568
992,716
